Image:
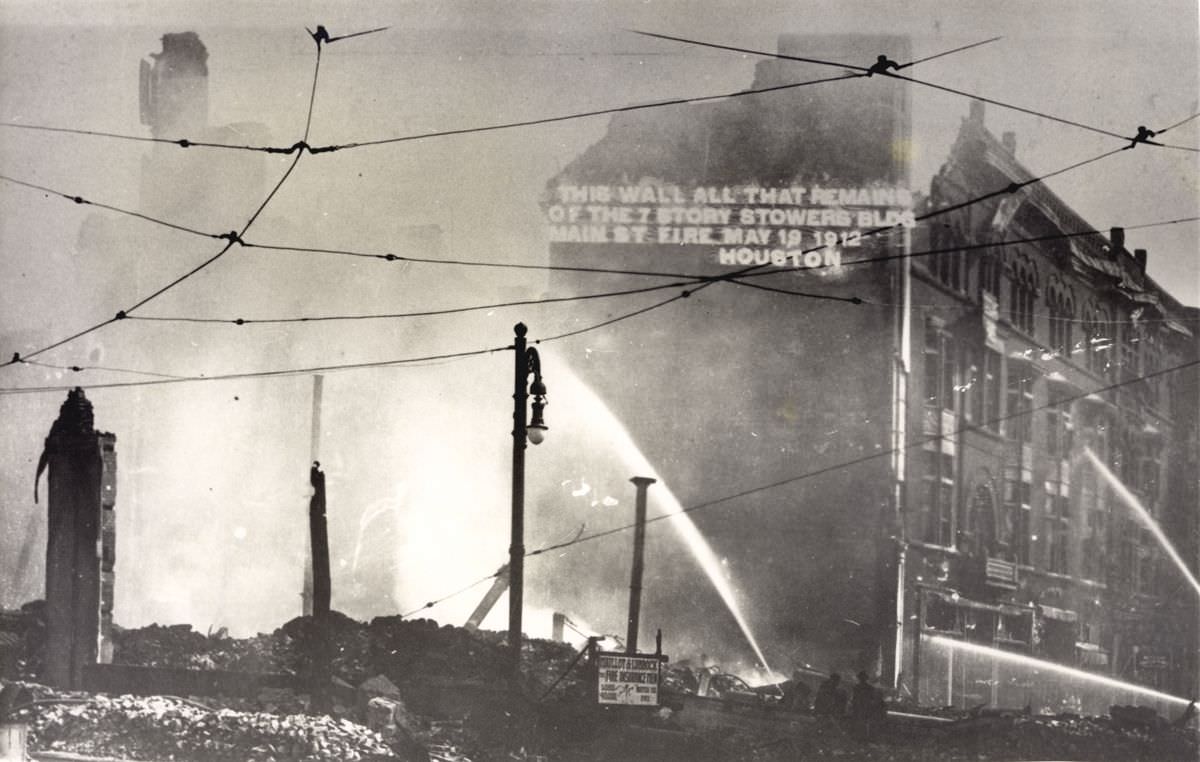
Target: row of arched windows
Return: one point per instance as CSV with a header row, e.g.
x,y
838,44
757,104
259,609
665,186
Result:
x,y
1090,337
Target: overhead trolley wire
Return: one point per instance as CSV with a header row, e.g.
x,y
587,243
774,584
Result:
x,y
81,368
181,142
579,115
281,373
864,459
944,88
671,273
316,150
579,539
230,239
436,601
100,205
948,52
339,366
414,314
1011,188
389,257
759,270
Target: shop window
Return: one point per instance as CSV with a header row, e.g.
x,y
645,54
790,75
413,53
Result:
x,y
979,626
1058,640
1013,630
940,615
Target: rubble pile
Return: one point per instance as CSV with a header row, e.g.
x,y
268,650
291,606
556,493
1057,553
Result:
x,y
1005,737
402,649
157,727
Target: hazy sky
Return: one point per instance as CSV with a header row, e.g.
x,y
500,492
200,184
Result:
x,y
209,472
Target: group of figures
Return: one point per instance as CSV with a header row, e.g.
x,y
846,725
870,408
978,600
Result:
x,y
864,706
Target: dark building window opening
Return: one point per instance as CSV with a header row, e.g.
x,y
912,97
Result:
x,y
982,390
1130,352
1151,363
1114,349
1057,526
981,534
1058,640
1022,293
948,266
1058,481
940,380
1017,509
1100,341
991,265
1062,315
1094,508
1019,402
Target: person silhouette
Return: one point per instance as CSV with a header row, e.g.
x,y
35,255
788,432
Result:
x,y
882,64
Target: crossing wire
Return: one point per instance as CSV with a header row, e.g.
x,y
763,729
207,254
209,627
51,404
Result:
x,y
924,83
827,469
676,274
700,281
317,150
335,367
1010,188
867,458
733,277
231,239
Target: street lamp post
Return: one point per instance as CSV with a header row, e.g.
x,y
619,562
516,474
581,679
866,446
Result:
x,y
526,364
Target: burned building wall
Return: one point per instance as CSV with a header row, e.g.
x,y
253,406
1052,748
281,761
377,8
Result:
x,y
81,542
787,387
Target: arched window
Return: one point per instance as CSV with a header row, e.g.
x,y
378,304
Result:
x,y
948,266
1022,292
991,264
1062,313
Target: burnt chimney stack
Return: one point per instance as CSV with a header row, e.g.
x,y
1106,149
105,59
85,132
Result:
x,y
1139,256
1116,238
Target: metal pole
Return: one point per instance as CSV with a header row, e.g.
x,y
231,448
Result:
x,y
639,548
516,548
917,638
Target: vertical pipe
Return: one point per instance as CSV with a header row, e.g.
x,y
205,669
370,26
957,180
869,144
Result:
x,y
516,548
639,548
306,593
917,638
